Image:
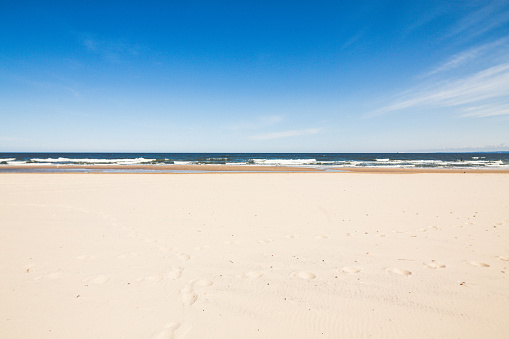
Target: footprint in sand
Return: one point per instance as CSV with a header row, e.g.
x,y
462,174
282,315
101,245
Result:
x,y
100,279
251,275
434,265
202,282
503,258
231,242
189,295
168,332
478,264
398,271
51,276
265,241
350,269
175,273
153,278
183,257
165,248
29,267
291,236
123,256
86,257
303,275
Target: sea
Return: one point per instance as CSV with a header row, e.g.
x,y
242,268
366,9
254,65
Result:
x,y
35,162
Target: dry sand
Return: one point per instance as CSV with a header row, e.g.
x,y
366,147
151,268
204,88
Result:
x,y
250,255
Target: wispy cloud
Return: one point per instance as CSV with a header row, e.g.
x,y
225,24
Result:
x,y
110,49
486,110
473,83
354,38
285,134
74,92
427,15
7,138
469,55
260,122
488,16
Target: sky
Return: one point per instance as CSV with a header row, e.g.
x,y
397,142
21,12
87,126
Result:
x,y
254,76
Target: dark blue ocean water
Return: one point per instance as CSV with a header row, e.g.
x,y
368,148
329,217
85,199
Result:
x,y
499,160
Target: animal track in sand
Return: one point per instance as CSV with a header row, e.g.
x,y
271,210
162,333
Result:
x,y
303,275
478,264
398,271
265,241
503,258
434,265
167,332
350,269
251,275
291,236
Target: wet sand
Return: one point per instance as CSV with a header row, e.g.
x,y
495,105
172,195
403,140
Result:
x,y
245,168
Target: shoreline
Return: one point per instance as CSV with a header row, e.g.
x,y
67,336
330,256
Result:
x,y
182,169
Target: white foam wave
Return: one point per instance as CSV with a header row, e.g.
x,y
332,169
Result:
x,y
389,163
61,160
16,163
284,162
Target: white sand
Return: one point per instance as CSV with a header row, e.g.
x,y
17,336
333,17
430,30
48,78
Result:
x,y
273,255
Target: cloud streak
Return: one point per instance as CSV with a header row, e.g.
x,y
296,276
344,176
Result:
x,y
464,57
285,134
112,50
260,122
473,83
487,17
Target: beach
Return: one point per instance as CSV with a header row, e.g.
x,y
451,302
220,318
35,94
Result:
x,y
285,254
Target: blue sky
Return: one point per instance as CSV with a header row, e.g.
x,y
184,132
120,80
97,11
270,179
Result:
x,y
254,76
